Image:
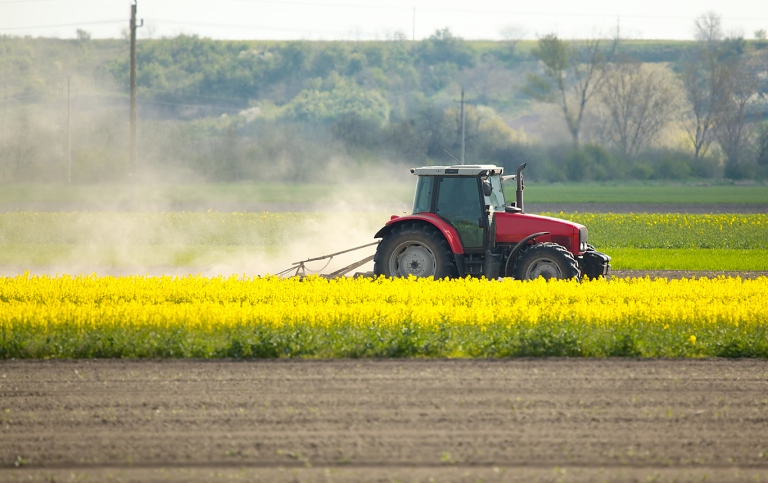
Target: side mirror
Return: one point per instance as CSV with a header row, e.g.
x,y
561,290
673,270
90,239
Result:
x,y
487,188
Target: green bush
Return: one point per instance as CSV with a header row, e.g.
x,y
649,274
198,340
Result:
x,y
590,162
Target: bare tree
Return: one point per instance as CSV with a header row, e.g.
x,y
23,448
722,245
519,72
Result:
x,y
641,100
573,75
512,35
82,36
708,28
761,145
731,130
703,78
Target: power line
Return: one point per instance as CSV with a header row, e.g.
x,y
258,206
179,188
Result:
x,y
473,11
245,27
310,4
342,33
63,25
479,10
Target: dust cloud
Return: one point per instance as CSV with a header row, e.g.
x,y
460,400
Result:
x,y
157,239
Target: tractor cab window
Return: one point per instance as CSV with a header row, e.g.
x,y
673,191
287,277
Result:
x,y
496,199
458,202
423,198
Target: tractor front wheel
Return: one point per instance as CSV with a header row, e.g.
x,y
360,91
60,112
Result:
x,y
547,260
414,249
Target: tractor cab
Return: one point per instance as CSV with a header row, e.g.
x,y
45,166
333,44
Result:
x,y
464,196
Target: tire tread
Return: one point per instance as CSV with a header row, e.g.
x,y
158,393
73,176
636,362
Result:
x,y
445,265
570,268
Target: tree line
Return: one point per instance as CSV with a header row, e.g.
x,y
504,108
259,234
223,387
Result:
x,y
594,109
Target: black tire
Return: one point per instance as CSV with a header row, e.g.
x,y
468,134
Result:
x,y
548,260
414,249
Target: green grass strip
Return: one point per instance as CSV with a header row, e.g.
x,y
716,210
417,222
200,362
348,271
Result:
x,y
688,259
645,194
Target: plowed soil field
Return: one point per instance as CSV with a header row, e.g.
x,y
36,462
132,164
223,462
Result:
x,y
384,420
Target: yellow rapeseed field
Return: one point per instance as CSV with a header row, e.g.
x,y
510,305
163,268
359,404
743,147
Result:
x,y
92,316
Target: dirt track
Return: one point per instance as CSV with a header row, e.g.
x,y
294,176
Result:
x,y
392,420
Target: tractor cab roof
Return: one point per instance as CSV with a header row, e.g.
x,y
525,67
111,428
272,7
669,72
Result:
x,y
459,170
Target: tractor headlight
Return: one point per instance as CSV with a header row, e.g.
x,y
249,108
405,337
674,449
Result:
x,y
583,239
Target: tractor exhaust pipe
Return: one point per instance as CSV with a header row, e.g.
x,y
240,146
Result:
x,y
520,188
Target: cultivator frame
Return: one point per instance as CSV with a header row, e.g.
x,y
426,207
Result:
x,y
300,268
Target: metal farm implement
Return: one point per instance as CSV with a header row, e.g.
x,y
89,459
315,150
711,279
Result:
x,y
300,268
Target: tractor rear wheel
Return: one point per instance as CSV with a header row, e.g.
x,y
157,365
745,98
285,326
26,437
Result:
x,y
414,249
547,260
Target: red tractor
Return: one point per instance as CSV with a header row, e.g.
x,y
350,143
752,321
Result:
x,y
462,225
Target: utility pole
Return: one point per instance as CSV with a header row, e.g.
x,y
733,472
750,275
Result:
x,y
413,32
133,26
69,128
462,125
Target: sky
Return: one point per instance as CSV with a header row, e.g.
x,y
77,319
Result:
x,y
377,19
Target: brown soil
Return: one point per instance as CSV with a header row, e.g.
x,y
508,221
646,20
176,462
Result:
x,y
384,420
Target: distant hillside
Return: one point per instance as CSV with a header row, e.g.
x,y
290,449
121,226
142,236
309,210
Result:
x,y
231,110
226,74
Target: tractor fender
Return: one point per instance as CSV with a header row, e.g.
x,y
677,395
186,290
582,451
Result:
x,y
519,246
448,231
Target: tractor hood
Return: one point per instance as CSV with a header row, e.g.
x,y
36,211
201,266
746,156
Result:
x,y
513,227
